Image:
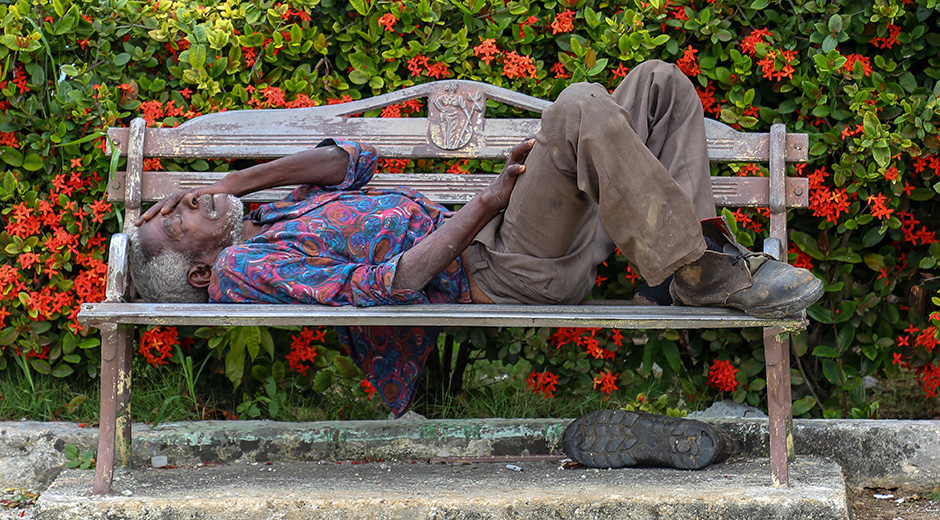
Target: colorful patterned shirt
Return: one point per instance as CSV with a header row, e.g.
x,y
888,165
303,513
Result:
x,y
340,245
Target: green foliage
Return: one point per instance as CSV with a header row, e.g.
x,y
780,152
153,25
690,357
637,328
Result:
x,y
861,78
74,459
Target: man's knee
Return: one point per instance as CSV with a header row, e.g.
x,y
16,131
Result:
x,y
576,99
658,68
664,75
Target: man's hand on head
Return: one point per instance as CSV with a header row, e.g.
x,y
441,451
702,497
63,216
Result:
x,y
169,203
501,188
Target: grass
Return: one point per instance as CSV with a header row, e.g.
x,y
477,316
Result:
x,y
491,389
901,397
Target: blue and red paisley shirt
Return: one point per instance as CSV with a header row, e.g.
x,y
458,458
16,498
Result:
x,y
340,245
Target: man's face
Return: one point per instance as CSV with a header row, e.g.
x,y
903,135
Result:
x,y
195,227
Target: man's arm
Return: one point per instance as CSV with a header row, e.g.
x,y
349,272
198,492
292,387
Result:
x,y
322,166
420,264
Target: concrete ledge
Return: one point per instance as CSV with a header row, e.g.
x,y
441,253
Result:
x,y
891,454
732,491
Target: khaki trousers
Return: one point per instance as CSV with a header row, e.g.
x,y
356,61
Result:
x,y
628,169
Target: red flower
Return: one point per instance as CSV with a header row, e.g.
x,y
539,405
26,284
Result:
x,y
688,63
620,71
851,59
928,376
769,64
486,51
559,70
388,21
417,65
458,167
878,208
721,376
749,43
394,165
886,43
606,381
9,139
542,383
156,345
301,351
518,66
564,22
438,70
368,388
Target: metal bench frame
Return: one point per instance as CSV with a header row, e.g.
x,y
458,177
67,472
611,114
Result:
x,y
274,133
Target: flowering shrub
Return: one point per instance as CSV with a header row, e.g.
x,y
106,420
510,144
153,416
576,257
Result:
x,y
859,77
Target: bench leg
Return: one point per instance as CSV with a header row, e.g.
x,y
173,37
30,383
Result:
x,y
114,418
779,403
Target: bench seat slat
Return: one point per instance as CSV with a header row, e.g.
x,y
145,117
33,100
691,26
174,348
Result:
x,y
448,188
464,315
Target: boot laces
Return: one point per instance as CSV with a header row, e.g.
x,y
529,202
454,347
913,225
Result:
x,y
753,259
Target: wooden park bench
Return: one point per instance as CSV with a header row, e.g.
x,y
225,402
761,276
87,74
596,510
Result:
x,y
272,133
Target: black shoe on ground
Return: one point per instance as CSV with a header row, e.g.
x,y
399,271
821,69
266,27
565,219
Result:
x,y
620,439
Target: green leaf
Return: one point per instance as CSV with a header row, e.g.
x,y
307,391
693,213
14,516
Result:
x,y
361,6
252,337
11,156
872,237
41,366
359,77
197,55
819,313
62,370
8,336
323,380
824,351
833,372
267,341
808,244
845,337
757,5
32,162
801,406
345,367
671,352
835,24
235,363
908,82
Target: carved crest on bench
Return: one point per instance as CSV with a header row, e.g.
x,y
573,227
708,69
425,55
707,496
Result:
x,y
454,116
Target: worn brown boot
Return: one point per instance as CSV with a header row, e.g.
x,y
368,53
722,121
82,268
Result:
x,y
729,275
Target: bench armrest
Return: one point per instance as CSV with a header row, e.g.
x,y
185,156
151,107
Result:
x,y
118,275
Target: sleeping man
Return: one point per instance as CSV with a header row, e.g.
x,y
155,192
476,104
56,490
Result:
x,y
627,170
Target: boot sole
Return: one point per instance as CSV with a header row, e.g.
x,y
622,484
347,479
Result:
x,y
621,439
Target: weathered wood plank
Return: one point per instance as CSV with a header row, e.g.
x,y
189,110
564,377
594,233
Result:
x,y
475,315
408,137
447,188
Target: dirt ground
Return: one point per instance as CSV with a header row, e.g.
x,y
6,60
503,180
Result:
x,y
887,504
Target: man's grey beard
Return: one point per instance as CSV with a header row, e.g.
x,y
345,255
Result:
x,y
233,218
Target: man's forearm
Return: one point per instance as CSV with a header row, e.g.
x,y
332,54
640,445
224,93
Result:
x,y
323,166
420,264
429,257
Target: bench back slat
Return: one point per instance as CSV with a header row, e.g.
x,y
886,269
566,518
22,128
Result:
x,y
448,188
242,137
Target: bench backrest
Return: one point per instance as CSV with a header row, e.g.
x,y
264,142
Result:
x,y
272,133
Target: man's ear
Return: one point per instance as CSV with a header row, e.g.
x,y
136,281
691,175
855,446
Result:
x,y
199,274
